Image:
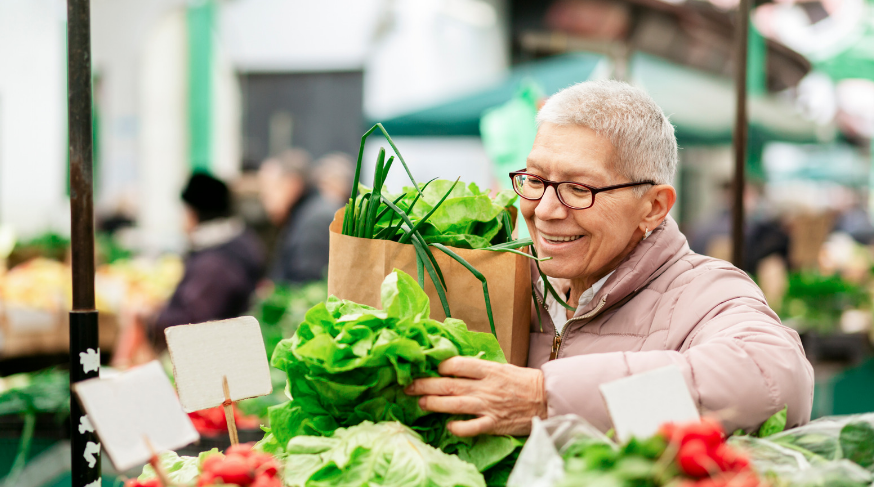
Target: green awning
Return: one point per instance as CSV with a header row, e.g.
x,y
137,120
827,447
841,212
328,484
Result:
x,y
700,105
461,116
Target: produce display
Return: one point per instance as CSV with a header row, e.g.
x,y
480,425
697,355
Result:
x,y
46,284
284,308
680,455
348,364
835,450
240,465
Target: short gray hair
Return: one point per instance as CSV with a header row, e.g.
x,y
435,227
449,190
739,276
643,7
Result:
x,y
627,116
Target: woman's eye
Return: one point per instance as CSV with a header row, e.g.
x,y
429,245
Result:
x,y
579,191
534,183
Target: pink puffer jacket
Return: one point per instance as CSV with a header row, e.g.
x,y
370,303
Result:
x,y
668,305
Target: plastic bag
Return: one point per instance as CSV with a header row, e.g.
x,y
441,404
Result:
x,y
540,463
839,473
823,436
767,456
816,454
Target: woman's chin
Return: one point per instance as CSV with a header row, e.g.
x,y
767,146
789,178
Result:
x,y
559,267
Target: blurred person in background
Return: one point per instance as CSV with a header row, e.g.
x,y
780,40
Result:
x,y
224,263
332,175
302,214
764,233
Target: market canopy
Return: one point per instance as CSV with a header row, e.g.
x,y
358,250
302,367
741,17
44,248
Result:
x,y
700,105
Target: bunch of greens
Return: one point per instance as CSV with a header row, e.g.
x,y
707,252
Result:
x,y
816,302
828,439
387,454
284,308
44,392
49,245
640,463
453,214
829,451
179,470
433,214
349,363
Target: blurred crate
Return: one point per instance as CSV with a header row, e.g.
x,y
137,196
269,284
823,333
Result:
x,y
30,331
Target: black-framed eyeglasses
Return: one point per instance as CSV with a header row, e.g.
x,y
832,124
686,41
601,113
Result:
x,y
576,196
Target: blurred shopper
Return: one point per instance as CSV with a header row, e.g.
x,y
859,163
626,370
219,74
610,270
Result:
x,y
332,175
302,214
224,264
764,232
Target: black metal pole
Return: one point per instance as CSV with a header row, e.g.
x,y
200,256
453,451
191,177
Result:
x,y
84,348
740,132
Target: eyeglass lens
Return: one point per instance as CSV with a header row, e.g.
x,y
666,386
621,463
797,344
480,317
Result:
x,y
570,194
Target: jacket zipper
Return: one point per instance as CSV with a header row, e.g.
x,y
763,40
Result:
x,y
556,342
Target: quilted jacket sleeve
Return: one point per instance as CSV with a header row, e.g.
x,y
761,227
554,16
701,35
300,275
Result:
x,y
738,360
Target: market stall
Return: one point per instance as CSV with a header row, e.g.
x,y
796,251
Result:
x,y
418,275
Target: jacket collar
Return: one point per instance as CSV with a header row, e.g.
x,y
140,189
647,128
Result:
x,y
665,246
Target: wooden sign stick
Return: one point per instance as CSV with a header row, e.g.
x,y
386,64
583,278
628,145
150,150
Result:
x,y
229,412
156,463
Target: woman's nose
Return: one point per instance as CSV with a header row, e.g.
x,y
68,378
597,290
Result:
x,y
549,207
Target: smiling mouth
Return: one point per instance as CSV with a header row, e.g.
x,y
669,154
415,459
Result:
x,y
560,238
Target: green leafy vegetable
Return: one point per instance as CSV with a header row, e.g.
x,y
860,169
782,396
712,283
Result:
x,y
775,424
386,454
857,443
592,461
349,363
180,470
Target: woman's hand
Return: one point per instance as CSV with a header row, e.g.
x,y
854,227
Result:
x,y
503,397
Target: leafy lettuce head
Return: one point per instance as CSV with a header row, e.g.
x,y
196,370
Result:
x,y
348,363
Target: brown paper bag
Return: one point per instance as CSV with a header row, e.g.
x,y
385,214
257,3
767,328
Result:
x,y
357,267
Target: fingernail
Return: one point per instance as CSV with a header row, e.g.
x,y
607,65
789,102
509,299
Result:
x,y
422,402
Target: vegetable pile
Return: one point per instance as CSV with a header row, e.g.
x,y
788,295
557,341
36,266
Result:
x,y
240,465
835,450
348,364
693,454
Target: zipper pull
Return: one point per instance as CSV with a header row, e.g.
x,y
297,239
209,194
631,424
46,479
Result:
x,y
556,344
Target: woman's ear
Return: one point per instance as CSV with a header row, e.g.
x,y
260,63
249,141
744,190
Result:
x,y
661,199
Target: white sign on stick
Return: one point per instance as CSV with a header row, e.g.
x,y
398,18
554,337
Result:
x,y
205,353
131,409
640,404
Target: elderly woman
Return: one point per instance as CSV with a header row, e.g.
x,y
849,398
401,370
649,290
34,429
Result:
x,y
596,192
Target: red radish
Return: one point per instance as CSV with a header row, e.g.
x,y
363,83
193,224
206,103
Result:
x,y
264,481
234,470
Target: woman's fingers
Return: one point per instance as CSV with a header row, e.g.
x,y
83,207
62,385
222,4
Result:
x,y
466,367
472,427
451,404
440,386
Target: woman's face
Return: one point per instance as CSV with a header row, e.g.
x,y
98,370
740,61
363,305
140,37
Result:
x,y
584,244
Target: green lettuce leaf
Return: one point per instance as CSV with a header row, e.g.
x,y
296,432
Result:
x,y
386,454
348,364
775,424
857,443
180,470
469,218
